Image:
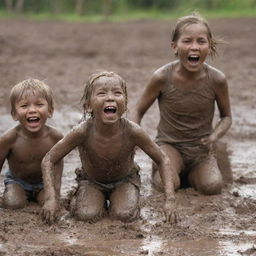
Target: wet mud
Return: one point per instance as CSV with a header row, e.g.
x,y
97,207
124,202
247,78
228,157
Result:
x,y
64,55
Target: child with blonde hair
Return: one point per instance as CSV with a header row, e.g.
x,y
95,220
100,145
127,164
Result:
x,y
25,145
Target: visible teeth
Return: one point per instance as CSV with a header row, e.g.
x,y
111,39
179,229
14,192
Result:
x,y
33,118
193,57
111,109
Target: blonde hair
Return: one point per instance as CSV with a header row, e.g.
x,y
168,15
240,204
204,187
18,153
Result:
x,y
28,87
194,18
90,84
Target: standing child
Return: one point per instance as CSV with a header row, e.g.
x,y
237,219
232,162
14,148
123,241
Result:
x,y
25,145
186,90
106,143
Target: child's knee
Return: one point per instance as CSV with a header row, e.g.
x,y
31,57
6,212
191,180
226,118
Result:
x,y
88,215
125,215
14,202
212,187
14,197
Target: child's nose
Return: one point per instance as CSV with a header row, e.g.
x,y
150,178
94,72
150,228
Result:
x,y
195,45
110,96
32,108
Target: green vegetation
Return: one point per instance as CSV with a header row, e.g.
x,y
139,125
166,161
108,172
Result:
x,y
121,10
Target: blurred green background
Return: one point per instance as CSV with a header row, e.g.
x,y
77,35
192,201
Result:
x,y
115,10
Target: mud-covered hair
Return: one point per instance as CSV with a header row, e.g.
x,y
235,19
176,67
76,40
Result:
x,y
28,87
85,100
194,18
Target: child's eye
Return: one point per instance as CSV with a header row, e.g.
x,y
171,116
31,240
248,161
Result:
x,y
118,93
100,93
186,41
23,105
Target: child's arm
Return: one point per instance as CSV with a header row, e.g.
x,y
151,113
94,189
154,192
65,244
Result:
x,y
6,141
222,99
144,142
50,209
149,95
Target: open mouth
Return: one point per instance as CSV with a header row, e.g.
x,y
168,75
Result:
x,y
193,58
33,119
110,110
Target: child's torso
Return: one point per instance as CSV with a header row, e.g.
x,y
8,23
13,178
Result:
x,y
185,115
26,155
108,160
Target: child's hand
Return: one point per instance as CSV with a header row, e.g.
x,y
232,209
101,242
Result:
x,y
170,211
209,140
50,211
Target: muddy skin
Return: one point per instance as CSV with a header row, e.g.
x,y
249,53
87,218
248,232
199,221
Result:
x,y
106,143
64,54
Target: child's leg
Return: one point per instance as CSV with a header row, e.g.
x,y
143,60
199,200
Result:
x,y
176,167
89,203
206,177
14,196
124,202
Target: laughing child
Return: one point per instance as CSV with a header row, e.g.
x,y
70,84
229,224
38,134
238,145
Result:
x,y
106,143
25,145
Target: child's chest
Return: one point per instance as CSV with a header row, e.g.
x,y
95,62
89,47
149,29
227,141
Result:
x,y
109,148
30,150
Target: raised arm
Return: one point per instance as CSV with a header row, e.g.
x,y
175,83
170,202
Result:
x,y
153,151
223,103
50,209
151,92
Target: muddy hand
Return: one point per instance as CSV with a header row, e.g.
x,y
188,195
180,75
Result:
x,y
170,211
50,212
209,140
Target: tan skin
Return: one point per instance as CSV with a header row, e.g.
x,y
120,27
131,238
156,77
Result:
x,y
105,146
24,147
186,76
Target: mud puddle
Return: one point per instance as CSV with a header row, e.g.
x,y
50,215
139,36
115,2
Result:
x,y
69,241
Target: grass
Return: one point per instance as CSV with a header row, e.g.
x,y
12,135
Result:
x,y
138,15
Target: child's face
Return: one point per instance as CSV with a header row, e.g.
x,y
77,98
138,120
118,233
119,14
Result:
x,y
32,112
192,47
108,101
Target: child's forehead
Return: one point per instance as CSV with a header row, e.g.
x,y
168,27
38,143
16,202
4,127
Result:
x,y
107,81
194,27
30,94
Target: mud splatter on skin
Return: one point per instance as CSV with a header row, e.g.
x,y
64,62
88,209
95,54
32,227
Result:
x,y
223,224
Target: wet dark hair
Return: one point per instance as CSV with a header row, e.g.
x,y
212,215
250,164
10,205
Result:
x,y
89,88
194,18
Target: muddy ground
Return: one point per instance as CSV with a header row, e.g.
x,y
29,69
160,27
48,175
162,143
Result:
x,y
63,55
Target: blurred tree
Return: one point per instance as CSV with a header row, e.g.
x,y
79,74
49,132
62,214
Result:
x,y
107,8
11,6
55,4
79,7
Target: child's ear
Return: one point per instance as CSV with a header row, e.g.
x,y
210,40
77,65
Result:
x,y
14,116
50,113
174,48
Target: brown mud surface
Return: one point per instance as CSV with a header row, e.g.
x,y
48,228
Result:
x,y
63,55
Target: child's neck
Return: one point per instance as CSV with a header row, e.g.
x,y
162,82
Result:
x,y
33,135
107,130
186,74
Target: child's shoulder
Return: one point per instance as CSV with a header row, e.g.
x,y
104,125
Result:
x,y
54,132
164,71
10,135
217,75
131,127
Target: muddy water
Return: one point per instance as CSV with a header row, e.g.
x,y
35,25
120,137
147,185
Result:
x,y
242,158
